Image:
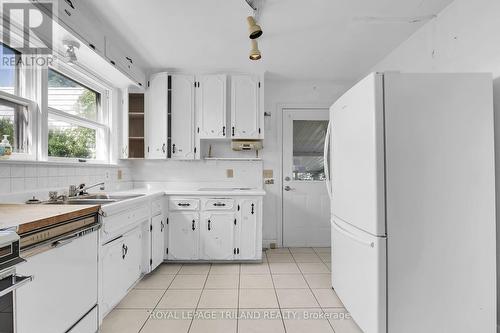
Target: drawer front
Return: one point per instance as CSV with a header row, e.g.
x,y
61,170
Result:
x,y
183,204
218,204
156,207
122,221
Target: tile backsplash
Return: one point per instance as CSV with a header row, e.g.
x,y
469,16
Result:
x,y
25,177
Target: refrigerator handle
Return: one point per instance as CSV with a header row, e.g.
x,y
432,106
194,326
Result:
x,y
352,236
326,162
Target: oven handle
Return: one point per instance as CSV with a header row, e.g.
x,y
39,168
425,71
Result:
x,y
24,280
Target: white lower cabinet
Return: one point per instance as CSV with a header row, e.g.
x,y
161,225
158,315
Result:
x,y
183,236
217,236
158,230
248,232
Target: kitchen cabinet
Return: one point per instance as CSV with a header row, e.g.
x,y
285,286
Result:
x,y
158,230
217,236
247,111
183,236
132,130
124,61
182,109
249,233
211,102
156,124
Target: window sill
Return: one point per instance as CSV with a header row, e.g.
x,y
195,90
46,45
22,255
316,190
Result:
x,y
71,163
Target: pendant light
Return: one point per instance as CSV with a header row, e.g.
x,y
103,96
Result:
x,y
255,53
254,29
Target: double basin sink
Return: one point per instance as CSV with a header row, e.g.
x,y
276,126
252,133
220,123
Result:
x,y
94,199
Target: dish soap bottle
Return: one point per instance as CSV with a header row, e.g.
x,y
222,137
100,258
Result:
x,y
5,147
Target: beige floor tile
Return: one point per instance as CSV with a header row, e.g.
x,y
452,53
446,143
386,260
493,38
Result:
x,y
124,321
258,298
141,299
280,257
256,281
342,321
328,266
319,280
296,298
307,257
325,256
214,321
180,299
295,250
168,269
222,282
168,321
307,320
327,298
322,249
284,268
254,269
222,269
315,268
278,250
188,282
197,269
155,281
294,281
260,321
219,299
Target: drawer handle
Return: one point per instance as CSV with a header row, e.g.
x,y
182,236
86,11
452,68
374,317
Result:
x,y
180,204
219,204
192,225
209,225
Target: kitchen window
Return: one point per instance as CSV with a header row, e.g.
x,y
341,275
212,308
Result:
x,y
77,119
9,70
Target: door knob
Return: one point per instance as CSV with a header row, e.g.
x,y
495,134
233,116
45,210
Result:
x,y
288,188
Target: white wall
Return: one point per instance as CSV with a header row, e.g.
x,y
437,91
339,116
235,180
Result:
x,y
463,38
280,93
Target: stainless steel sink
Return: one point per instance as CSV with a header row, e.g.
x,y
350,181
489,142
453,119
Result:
x,y
94,199
117,197
224,189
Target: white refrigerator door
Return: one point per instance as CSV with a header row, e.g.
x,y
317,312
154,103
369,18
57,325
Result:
x,y
357,156
359,275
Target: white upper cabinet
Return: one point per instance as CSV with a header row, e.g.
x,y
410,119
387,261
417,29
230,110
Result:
x,y
156,117
182,109
124,61
211,101
246,107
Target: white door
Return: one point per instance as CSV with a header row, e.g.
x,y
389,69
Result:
x,y
246,107
158,241
211,106
247,226
183,236
217,236
306,205
156,117
183,117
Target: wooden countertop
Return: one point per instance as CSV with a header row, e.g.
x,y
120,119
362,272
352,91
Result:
x,y
27,218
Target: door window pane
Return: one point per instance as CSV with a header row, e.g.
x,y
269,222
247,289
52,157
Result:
x,y
68,140
14,123
308,148
70,96
9,71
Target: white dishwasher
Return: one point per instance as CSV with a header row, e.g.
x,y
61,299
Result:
x,y
62,297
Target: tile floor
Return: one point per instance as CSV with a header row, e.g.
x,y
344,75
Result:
x,y
289,292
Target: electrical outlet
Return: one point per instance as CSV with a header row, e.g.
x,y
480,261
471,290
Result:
x,y
107,175
120,174
229,173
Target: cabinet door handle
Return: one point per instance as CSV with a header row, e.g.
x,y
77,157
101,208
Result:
x,y
209,225
124,251
233,130
129,60
192,225
163,148
223,130
70,3
162,226
253,210
173,148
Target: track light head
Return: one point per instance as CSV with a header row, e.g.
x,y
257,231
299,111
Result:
x,y
254,29
255,53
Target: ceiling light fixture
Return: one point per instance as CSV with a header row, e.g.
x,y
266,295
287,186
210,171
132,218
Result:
x,y
255,53
253,28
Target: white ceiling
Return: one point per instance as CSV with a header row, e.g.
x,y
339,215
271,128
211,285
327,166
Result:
x,y
303,39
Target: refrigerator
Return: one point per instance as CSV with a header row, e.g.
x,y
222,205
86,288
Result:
x,y
411,176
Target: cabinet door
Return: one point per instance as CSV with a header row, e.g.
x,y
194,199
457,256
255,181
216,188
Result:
x,y
245,107
156,117
211,106
217,236
132,256
183,117
248,233
183,236
157,240
124,129
112,269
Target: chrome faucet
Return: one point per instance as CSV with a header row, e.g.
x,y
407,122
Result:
x,y
81,189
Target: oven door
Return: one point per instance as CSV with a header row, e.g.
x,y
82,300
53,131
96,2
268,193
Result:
x,y
9,282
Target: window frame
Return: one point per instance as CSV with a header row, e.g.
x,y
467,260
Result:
x,y
101,126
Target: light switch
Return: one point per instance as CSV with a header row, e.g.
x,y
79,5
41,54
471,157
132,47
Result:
x,y
120,174
230,173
